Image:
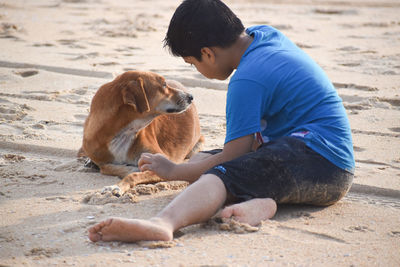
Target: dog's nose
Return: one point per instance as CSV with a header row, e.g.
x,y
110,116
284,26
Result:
x,y
189,98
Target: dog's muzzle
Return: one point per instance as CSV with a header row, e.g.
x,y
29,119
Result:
x,y
182,104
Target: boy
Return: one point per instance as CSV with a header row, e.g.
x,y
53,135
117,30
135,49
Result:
x,y
278,94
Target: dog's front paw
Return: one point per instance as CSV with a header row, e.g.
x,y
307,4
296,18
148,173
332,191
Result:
x,y
113,189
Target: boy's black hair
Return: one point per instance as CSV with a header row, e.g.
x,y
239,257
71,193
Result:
x,y
201,23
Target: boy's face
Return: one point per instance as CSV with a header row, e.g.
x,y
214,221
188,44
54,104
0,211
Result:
x,y
201,66
209,67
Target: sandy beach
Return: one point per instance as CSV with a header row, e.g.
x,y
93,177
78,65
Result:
x,y
56,53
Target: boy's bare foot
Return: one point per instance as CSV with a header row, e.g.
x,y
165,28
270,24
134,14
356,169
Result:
x,y
130,230
252,211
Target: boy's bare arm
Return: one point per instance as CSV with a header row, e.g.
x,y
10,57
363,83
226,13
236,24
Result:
x,y
191,171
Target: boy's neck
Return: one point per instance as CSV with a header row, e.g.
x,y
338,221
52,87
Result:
x,y
234,53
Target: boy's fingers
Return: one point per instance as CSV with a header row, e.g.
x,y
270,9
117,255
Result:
x,y
145,167
144,158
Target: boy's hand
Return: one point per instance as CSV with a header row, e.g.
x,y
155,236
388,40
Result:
x,y
158,164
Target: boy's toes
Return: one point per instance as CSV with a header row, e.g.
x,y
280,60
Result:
x,y
95,234
227,212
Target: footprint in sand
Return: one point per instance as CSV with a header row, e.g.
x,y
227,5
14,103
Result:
x,y
350,64
358,228
43,45
353,98
34,177
97,198
11,111
282,27
128,49
37,95
395,233
122,28
74,1
86,56
143,22
352,102
9,30
369,52
112,63
66,41
80,117
335,11
394,102
302,214
42,252
354,86
79,96
13,158
378,24
72,229
129,68
71,43
358,149
349,48
305,46
26,73
354,108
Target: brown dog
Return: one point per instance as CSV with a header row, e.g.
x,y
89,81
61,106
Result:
x,y
139,112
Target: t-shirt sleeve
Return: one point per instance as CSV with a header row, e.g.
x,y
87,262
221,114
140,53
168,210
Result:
x,y
243,109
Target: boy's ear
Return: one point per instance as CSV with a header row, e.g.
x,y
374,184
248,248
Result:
x,y
208,54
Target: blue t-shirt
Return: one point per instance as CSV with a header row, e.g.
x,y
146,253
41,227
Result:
x,y
279,90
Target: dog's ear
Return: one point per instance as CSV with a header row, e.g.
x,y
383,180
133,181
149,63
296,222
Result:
x,y
135,95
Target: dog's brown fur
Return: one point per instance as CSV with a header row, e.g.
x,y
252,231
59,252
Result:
x,y
143,107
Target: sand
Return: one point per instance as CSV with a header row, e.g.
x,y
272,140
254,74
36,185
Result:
x,y
55,54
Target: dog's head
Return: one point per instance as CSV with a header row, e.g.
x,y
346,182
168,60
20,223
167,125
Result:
x,y
150,92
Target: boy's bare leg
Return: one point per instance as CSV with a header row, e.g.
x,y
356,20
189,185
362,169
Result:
x,y
196,204
252,211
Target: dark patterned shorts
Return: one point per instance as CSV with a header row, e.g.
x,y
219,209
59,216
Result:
x,y
285,170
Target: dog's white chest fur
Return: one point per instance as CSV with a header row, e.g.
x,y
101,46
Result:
x,y
122,141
